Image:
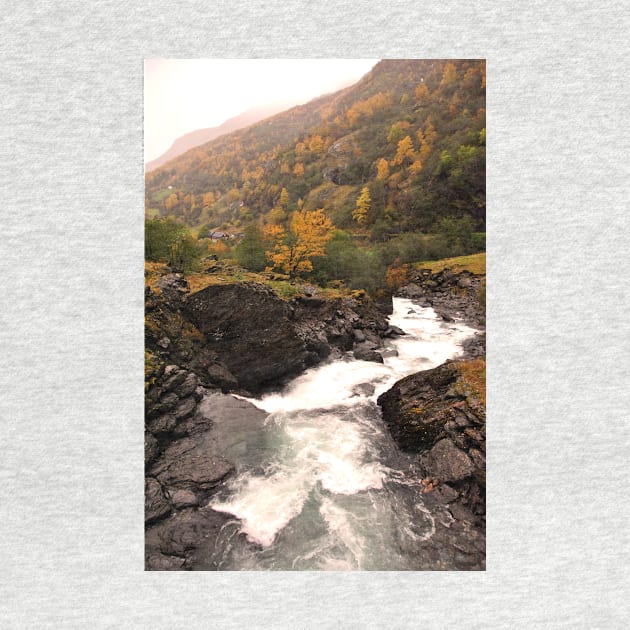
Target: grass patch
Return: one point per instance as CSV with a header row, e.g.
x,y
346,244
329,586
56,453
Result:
x,y
475,263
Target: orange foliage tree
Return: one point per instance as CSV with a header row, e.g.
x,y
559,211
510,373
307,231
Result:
x,y
306,238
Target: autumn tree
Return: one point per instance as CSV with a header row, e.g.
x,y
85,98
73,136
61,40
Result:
x,y
382,169
405,151
305,239
421,93
316,144
298,170
360,212
284,198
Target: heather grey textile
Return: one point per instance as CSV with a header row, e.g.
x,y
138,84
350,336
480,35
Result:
x,y
72,330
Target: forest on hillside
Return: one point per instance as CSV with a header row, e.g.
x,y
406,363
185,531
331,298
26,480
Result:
x,y
387,171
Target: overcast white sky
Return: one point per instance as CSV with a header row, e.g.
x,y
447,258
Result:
x,y
182,95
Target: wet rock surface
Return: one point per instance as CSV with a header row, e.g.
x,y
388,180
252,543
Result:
x,y
171,545
185,464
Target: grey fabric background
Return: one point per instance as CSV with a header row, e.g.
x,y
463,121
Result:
x,y
71,314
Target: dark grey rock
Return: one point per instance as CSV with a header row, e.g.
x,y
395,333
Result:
x,y
448,463
363,354
175,379
181,534
151,448
189,386
182,498
157,561
248,326
461,513
188,464
162,424
156,505
173,283
221,377
185,408
168,401
394,331
359,335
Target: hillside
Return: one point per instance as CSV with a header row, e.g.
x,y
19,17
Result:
x,y
203,136
398,151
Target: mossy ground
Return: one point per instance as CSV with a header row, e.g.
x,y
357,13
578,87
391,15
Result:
x,y
473,375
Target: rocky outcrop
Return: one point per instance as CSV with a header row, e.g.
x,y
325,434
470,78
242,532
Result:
x,y
242,337
341,324
440,415
451,294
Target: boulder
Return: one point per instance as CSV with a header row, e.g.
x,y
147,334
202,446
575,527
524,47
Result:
x,y
366,354
417,407
174,379
173,283
439,415
359,335
247,326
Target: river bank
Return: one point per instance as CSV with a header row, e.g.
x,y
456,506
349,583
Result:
x,y
187,459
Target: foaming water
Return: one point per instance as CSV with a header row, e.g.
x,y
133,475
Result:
x,y
325,499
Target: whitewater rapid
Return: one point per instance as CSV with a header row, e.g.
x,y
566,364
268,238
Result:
x,y
330,492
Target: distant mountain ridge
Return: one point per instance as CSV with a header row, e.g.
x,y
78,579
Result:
x,y
201,136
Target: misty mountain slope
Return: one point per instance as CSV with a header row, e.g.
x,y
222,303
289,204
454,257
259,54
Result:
x,y
411,133
202,136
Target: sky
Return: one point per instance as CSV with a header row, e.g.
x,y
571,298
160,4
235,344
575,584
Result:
x,y
183,95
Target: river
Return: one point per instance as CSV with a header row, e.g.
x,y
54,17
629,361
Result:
x,y
321,486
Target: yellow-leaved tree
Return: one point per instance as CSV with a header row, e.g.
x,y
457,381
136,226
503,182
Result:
x,y
405,151
360,212
382,169
293,250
